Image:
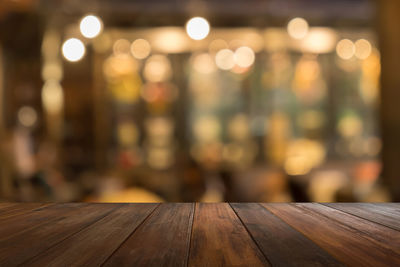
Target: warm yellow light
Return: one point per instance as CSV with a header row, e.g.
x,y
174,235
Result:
x,y
244,57
120,65
91,26
297,165
297,28
140,49
73,49
157,68
303,155
121,47
207,129
203,63
197,28
363,49
319,40
345,49
225,59
52,71
169,40
52,97
350,126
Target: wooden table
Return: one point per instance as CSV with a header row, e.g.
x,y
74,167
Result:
x,y
187,234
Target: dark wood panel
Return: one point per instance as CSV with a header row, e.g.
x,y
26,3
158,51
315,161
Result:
x,y
390,218
344,243
184,234
9,226
162,240
280,243
377,233
220,239
93,245
49,227
6,204
20,209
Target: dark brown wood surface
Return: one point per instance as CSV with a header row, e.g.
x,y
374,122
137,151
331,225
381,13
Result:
x,y
220,239
187,234
150,244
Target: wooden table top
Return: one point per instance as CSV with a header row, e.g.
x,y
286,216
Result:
x,y
188,234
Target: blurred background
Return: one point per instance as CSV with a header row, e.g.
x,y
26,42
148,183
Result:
x,y
228,100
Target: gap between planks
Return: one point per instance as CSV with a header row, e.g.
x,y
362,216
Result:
x,y
72,234
133,231
251,236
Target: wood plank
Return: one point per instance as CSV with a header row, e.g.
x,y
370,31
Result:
x,y
163,240
344,243
93,245
370,212
220,239
18,209
280,243
9,226
377,233
65,220
7,204
394,206
390,209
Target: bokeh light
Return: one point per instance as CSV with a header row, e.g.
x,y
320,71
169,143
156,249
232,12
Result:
x,y
169,40
121,47
91,26
73,49
362,49
27,116
52,96
345,49
244,57
319,40
197,28
225,59
140,48
297,28
157,68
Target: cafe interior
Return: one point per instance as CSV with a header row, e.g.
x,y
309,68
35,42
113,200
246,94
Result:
x,y
199,101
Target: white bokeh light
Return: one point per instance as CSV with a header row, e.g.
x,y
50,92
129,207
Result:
x,y
224,59
91,26
197,28
244,56
73,49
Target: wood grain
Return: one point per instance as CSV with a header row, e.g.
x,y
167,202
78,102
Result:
x,y
187,234
18,209
280,243
49,226
344,243
9,226
220,239
162,240
385,216
381,235
7,204
93,245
